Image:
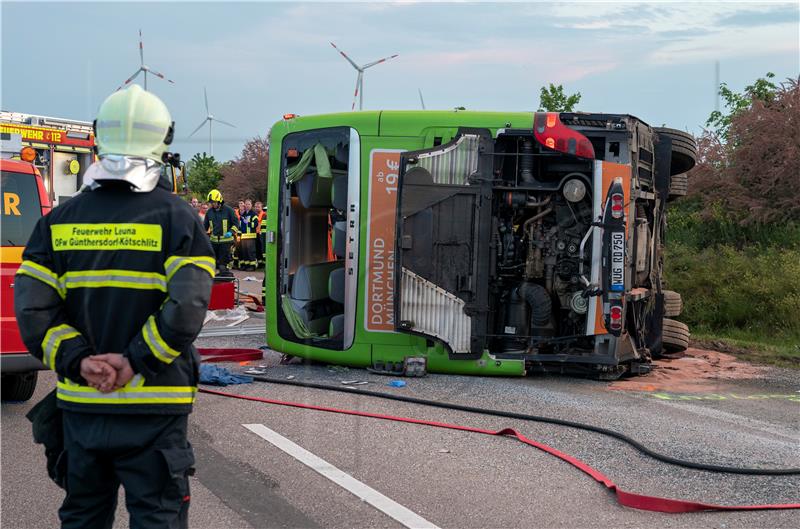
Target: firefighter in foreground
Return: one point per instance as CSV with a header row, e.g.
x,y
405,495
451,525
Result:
x,y
111,294
221,224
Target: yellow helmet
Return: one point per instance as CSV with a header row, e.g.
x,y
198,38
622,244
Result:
x,y
214,196
133,122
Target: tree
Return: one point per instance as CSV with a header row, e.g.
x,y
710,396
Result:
x,y
553,99
761,90
246,175
202,174
752,177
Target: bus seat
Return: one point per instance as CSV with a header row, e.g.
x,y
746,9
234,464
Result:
x,y
309,295
339,191
336,285
339,238
314,191
336,282
336,327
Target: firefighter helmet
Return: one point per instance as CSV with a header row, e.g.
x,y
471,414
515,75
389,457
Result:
x,y
214,196
134,123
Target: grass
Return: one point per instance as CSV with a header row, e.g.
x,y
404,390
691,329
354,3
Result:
x,y
740,285
780,351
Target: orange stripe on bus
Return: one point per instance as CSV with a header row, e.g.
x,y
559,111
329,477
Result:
x,y
11,254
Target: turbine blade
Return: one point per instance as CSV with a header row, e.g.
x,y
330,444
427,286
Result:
x,y
355,94
343,54
223,122
161,75
200,126
129,79
373,63
422,101
205,93
141,48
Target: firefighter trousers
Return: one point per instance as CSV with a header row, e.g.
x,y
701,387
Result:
x,y
248,258
148,454
222,253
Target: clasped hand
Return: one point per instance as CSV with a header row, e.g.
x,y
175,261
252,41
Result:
x,y
106,372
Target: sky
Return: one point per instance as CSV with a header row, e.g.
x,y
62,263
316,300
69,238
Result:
x,y
260,60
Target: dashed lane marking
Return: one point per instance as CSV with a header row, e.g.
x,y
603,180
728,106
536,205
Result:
x,y
363,491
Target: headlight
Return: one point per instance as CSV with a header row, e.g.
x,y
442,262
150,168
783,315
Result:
x,y
574,190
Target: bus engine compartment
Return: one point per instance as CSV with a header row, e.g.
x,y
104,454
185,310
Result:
x,y
542,244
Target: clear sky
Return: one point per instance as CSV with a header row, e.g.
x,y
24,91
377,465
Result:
x,y
260,60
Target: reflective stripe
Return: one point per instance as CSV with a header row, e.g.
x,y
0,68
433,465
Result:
x,y
114,279
175,263
156,343
43,274
149,127
221,239
224,226
249,235
52,341
69,391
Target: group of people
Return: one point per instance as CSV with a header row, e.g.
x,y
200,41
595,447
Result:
x,y
237,235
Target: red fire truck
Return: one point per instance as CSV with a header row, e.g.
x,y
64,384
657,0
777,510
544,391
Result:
x,y
63,149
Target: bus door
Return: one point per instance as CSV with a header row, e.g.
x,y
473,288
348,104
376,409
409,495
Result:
x,y
318,237
443,234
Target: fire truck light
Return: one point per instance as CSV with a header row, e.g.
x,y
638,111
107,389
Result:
x,y
28,154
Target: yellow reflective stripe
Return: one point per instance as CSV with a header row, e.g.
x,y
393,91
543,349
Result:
x,y
52,341
249,235
71,392
156,343
114,279
176,262
224,226
43,274
106,236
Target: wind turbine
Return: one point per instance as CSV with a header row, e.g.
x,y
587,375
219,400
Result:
x,y
143,68
209,119
359,93
421,101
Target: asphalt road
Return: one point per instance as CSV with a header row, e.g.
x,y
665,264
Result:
x,y
450,478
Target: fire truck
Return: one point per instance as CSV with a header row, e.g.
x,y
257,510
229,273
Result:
x,y
64,149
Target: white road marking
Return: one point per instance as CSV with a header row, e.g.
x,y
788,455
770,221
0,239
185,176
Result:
x,y
366,493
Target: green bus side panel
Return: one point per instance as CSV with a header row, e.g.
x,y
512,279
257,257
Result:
x,y
387,130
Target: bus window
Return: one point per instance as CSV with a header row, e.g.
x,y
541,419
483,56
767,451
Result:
x,y
319,179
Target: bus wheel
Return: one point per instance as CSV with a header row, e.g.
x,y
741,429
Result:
x,y
19,386
684,149
678,186
673,303
675,336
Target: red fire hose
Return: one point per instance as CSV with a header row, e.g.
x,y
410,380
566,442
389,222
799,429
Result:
x,y
627,499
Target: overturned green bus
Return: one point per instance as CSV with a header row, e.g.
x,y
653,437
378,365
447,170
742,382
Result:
x,y
473,242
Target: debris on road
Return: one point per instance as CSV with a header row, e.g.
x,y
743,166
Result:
x,y
219,376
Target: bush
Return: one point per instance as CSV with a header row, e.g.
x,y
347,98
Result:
x,y
754,289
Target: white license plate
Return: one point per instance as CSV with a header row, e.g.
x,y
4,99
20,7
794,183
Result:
x,y
618,261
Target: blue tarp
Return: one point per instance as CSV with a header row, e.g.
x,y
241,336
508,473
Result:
x,y
219,376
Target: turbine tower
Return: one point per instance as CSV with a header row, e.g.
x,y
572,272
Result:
x,y
143,68
209,119
421,101
359,93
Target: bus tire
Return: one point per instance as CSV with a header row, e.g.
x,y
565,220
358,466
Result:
x,y
678,186
675,336
19,387
673,303
684,149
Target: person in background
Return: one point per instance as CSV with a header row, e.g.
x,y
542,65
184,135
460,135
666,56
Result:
x,y
261,240
238,242
203,210
195,204
221,224
248,257
114,312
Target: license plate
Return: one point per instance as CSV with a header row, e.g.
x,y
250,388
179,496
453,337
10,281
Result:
x,y
617,261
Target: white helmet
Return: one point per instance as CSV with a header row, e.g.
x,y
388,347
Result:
x,y
133,129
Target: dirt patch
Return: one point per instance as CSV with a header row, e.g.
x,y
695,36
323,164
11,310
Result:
x,y
696,371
